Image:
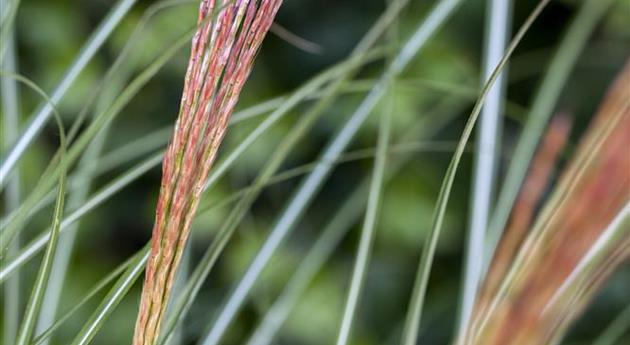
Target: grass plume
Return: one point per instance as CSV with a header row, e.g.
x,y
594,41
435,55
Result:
x,y
578,239
222,54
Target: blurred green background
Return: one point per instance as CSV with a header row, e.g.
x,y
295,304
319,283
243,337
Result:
x,y
436,93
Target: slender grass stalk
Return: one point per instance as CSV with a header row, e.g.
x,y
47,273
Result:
x,y
154,140
11,110
126,152
39,118
87,170
295,40
368,230
412,322
180,281
222,55
125,61
137,149
541,110
366,240
33,306
496,33
159,138
368,153
312,183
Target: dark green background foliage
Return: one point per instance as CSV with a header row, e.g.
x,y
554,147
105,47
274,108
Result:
x,y
440,85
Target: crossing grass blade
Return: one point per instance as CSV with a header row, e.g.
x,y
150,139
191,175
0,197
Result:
x,y
412,321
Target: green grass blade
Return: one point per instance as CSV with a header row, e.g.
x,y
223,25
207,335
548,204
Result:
x,y
541,110
159,138
368,230
281,177
126,178
11,110
113,298
138,148
125,61
498,13
412,321
39,119
65,246
203,269
367,233
33,307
